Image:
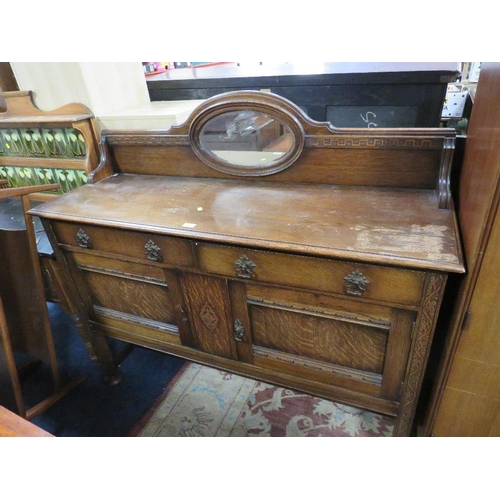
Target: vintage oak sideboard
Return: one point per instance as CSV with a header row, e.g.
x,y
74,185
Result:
x,y
256,240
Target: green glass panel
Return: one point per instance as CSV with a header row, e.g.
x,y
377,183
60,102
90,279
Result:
x,y
33,141
55,143
46,142
12,143
76,142
20,176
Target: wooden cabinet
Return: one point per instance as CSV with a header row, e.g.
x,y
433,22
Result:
x,y
330,289
44,147
465,399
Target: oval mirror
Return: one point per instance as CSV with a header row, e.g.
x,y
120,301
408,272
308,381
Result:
x,y
247,142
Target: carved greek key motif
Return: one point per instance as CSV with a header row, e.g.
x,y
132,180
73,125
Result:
x,y
83,239
138,140
239,330
327,141
244,267
208,316
153,251
356,283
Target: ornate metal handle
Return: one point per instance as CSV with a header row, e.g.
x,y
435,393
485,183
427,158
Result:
x,y
356,283
244,267
239,330
153,251
83,239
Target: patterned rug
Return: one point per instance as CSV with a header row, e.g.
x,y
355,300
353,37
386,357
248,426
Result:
x,y
202,401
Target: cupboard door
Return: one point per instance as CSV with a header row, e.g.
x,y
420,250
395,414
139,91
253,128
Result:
x,y
128,296
332,341
209,313
319,338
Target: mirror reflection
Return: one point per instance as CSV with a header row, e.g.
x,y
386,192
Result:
x,y
247,138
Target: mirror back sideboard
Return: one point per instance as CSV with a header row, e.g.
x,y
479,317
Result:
x,y
320,268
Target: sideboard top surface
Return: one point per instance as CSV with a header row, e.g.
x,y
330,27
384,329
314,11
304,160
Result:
x,y
387,226
250,168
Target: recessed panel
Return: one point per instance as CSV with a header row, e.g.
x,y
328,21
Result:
x,y
342,343
131,297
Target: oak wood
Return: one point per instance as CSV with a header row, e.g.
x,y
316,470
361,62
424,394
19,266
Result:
x,y
21,111
137,332
8,80
347,167
348,308
464,399
406,229
10,384
14,161
91,261
130,296
50,353
36,336
209,311
12,425
330,285
240,312
174,251
20,105
82,312
470,402
186,334
419,352
319,338
22,191
369,157
398,347
32,332
385,284
357,394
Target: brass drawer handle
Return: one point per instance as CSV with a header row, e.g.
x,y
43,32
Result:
x,y
356,283
244,267
239,330
83,239
153,251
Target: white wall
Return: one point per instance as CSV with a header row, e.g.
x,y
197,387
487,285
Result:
x,y
53,84
115,92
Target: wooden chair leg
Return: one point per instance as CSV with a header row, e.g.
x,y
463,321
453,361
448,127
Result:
x,y
10,380
10,384
38,279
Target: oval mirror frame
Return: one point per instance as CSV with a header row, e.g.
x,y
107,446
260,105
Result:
x,y
243,101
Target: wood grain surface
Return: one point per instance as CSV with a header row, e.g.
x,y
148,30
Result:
x,y
401,227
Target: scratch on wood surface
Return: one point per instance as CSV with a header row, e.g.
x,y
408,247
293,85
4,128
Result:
x,y
422,241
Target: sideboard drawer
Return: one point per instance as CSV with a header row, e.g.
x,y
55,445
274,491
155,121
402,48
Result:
x,y
392,285
138,245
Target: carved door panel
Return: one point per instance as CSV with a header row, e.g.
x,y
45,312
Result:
x,y
208,308
129,296
336,341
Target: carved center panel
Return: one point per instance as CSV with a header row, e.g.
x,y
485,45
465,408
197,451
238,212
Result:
x,y
208,316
